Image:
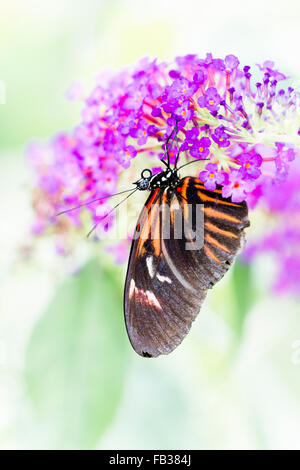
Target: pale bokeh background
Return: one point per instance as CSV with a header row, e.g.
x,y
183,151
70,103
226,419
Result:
x,y
68,377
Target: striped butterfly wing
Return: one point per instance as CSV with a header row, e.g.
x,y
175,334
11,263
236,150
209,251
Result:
x,y
185,240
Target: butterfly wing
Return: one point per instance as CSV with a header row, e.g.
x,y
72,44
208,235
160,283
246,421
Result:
x,y
185,240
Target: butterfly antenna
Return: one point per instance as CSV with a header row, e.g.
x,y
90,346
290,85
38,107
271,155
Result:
x,y
175,130
117,205
193,161
91,201
177,156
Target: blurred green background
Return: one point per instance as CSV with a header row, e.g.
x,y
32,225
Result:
x,y
68,376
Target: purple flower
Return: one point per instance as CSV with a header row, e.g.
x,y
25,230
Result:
x,y
183,111
135,98
282,160
156,169
272,192
123,158
125,155
251,163
104,217
231,63
140,132
211,176
192,135
221,137
268,67
174,74
207,61
236,187
218,64
186,60
180,90
200,76
157,112
210,100
200,148
172,151
90,114
87,134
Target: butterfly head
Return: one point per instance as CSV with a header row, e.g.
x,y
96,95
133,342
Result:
x,y
144,182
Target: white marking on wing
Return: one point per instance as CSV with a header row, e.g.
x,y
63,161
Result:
x,y
163,278
180,278
131,288
152,299
151,270
147,297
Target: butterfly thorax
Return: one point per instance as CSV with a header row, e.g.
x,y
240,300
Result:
x,y
165,179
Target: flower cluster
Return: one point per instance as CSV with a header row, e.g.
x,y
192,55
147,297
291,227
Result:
x,y
280,202
245,132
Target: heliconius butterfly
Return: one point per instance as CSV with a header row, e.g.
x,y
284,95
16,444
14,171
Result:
x,y
166,282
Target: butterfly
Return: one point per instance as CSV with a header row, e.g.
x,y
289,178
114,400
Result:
x,y
168,277
185,240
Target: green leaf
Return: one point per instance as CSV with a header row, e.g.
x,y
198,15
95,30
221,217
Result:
x,y
76,360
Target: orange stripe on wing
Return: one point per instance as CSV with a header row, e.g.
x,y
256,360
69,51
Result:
x,y
183,194
213,228
155,229
185,186
220,215
201,186
144,224
174,206
149,203
206,198
147,208
211,254
215,242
